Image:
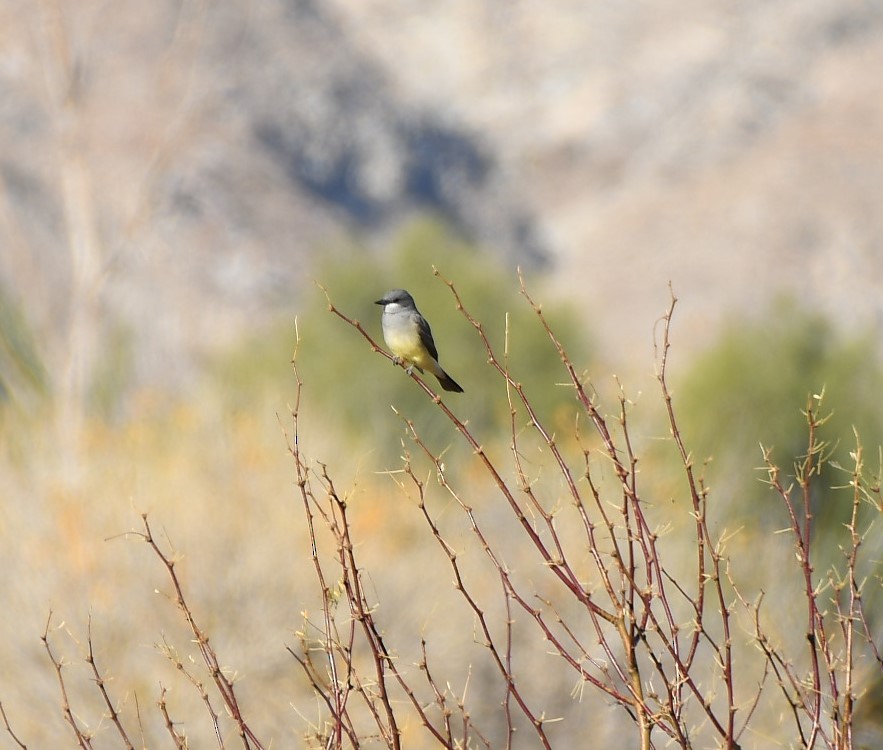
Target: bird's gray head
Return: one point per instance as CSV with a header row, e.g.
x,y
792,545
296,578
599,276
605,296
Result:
x,y
397,297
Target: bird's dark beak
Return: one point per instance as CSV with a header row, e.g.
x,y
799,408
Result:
x,y
379,302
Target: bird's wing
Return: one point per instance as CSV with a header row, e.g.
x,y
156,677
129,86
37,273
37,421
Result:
x,y
426,336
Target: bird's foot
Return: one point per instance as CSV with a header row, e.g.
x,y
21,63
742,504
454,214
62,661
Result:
x,y
410,370
397,360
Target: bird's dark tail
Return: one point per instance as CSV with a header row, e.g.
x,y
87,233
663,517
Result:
x,y
448,383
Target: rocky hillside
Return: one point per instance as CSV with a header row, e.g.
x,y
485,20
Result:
x,y
169,170
734,150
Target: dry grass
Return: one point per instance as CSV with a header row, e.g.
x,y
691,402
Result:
x,y
195,585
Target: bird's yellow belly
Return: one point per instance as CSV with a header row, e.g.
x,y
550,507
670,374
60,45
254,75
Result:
x,y
411,350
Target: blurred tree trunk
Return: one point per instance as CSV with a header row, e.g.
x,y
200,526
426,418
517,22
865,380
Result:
x,y
75,360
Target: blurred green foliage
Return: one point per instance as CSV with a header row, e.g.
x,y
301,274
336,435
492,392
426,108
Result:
x,y
23,378
353,388
350,392
752,388
114,372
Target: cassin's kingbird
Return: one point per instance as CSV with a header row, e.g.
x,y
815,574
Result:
x,y
408,335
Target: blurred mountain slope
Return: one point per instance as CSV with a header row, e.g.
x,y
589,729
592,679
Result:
x,y
734,149
171,169
168,171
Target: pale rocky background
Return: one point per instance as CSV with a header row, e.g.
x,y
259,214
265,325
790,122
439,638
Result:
x,y
734,149
173,169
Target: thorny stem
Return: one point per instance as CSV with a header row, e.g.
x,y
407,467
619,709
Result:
x,y
83,740
172,656
363,616
697,498
560,568
807,469
478,449
500,660
336,520
223,683
802,539
636,582
338,698
100,682
703,541
9,731
626,481
179,739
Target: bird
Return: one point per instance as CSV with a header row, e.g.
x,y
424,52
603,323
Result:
x,y
409,337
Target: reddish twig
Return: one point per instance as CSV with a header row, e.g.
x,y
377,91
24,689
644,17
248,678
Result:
x,y
102,687
84,740
9,731
223,683
179,739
